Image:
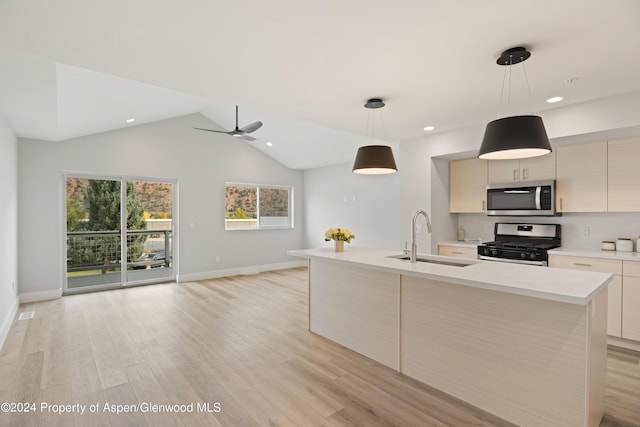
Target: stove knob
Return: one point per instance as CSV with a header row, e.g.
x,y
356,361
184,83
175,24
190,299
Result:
x,y
523,255
494,252
485,251
532,255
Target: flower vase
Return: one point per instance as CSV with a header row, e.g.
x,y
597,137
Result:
x,y
339,245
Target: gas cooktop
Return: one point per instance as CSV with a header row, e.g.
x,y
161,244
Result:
x,y
521,243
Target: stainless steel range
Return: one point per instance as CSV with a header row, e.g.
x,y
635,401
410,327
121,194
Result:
x,y
521,243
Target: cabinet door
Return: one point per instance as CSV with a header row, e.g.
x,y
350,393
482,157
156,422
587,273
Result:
x,y
458,251
614,309
503,171
631,308
467,185
541,168
624,175
581,184
614,294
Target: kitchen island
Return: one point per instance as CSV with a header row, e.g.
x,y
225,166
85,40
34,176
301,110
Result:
x,y
525,343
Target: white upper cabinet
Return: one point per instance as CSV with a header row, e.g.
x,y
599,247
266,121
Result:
x,y
541,168
581,178
624,175
467,185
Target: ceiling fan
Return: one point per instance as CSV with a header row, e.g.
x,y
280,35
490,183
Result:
x,y
239,132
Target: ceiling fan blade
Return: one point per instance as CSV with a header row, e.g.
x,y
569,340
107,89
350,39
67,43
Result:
x,y
216,131
252,127
247,138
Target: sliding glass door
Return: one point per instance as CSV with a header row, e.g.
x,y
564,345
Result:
x,y
150,240
118,232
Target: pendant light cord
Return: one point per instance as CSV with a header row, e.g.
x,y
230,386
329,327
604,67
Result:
x,y
526,79
384,131
507,83
509,91
371,120
504,79
366,129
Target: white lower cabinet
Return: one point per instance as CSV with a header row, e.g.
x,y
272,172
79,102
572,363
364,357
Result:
x,y
614,316
631,301
615,293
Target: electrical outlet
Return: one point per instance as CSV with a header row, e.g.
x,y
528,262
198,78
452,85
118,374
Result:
x,y
584,232
218,258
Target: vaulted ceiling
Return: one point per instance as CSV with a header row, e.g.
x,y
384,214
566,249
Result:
x,y
70,68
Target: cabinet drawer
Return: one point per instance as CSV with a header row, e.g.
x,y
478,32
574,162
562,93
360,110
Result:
x,y
631,268
631,308
457,251
586,264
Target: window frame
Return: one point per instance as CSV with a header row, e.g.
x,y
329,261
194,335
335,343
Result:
x,y
290,211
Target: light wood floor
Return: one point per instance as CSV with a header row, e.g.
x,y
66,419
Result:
x,y
240,341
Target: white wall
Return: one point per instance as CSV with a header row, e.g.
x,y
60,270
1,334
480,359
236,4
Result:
x,y
425,181
8,226
368,205
201,162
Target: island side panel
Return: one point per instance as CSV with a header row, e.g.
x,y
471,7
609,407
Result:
x,y
597,361
521,358
356,307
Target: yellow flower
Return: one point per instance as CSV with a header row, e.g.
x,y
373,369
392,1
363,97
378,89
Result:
x,y
340,234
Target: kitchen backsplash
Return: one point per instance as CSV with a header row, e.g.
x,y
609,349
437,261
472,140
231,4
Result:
x,y
579,230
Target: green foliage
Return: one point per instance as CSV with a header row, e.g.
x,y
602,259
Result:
x,y
103,200
244,198
239,214
75,214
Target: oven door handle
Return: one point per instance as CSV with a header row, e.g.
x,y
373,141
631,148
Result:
x,y
513,261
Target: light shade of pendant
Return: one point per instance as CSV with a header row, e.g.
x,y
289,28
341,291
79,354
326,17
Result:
x,y
515,137
374,159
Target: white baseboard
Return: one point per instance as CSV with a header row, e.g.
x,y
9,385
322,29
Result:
x,y
5,324
40,296
253,269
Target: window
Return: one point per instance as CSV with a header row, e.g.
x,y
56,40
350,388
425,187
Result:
x,y
250,206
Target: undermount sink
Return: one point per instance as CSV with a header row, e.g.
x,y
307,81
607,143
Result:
x,y
434,260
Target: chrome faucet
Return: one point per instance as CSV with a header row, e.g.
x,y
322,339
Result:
x,y
414,246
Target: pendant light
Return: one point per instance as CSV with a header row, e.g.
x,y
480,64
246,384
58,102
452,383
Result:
x,y
374,159
514,137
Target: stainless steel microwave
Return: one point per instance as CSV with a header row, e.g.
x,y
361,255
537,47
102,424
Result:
x,y
522,199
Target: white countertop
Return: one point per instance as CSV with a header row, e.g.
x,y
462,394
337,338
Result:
x,y
570,286
594,253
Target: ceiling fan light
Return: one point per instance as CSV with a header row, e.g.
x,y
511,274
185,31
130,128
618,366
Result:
x,y
374,160
515,137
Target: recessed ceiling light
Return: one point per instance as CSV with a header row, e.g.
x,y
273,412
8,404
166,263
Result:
x,y
554,99
428,128
130,120
269,144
